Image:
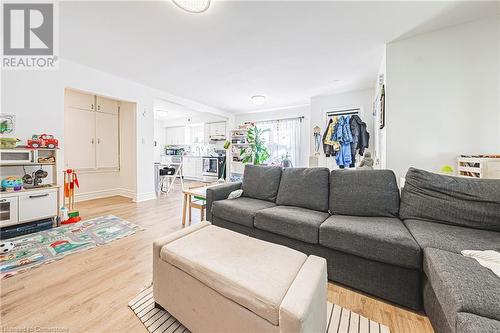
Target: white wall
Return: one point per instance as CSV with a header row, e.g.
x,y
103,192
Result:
x,y
443,96
159,136
362,99
300,111
37,99
380,135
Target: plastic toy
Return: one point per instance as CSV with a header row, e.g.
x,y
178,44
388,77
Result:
x,y
8,143
12,184
6,247
43,141
70,181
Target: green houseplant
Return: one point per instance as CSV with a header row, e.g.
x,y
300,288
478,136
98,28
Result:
x,y
257,151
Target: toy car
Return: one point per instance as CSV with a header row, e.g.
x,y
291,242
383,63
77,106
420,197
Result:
x,y
43,141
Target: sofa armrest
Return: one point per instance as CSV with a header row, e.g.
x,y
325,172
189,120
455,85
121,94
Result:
x,y
159,243
219,192
304,307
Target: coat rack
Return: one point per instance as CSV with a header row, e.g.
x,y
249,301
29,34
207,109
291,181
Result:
x,y
343,112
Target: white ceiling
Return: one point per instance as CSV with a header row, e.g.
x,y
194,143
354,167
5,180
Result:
x,y
168,111
285,50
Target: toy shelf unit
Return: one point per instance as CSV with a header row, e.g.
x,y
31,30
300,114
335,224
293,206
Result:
x,y
479,166
238,142
29,197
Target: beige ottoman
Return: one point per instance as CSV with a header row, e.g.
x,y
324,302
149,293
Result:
x,y
216,280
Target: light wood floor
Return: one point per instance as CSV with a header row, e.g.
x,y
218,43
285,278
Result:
x,y
89,291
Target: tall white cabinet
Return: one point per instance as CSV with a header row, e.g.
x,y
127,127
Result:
x,y
92,138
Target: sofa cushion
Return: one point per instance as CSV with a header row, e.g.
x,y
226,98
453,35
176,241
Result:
x,y
461,284
241,210
452,200
468,323
383,239
293,222
452,238
304,187
364,193
261,182
251,272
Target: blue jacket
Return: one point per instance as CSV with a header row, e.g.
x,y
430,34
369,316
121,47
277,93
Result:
x,y
344,136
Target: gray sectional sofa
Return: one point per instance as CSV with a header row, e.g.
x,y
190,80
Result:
x,y
403,250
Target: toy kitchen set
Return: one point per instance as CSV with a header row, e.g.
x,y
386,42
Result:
x,y
29,198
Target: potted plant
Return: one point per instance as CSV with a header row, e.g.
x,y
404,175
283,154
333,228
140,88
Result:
x,y
256,151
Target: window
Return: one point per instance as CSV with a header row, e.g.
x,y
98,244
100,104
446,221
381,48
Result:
x,y
282,139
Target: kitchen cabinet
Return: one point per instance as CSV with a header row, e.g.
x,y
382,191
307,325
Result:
x,y
79,100
192,167
107,145
175,135
91,135
107,105
217,131
79,152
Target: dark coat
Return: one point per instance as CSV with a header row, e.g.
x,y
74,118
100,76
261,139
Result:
x,y
360,136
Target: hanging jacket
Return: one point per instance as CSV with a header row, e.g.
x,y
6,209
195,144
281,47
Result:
x,y
327,148
344,136
360,137
330,147
332,124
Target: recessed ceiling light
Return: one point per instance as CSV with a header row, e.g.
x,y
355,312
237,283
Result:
x,y
192,6
258,99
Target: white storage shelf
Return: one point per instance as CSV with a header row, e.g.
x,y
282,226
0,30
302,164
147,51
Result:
x,y
479,167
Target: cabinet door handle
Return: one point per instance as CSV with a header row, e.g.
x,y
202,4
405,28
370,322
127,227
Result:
x,y
38,196
98,141
98,108
92,141
91,106
3,200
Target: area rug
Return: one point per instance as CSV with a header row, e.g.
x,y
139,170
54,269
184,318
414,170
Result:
x,y
49,245
156,320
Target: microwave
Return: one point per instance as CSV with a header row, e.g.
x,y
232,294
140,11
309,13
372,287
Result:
x,y
17,156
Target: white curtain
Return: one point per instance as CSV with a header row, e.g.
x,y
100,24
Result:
x,y
283,139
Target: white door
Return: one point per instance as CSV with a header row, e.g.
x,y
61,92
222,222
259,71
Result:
x,y
107,145
107,105
79,133
79,100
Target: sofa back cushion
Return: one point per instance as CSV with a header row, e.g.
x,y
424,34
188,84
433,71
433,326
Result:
x,y
261,182
364,193
452,200
304,187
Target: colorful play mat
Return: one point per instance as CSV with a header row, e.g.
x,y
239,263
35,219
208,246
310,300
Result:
x,y
46,246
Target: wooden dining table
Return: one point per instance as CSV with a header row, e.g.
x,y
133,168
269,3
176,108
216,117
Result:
x,y
199,193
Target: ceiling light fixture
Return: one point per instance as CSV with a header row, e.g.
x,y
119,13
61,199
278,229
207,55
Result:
x,y
258,99
192,6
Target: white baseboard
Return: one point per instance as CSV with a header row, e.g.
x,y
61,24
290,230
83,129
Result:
x,y
105,194
145,196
